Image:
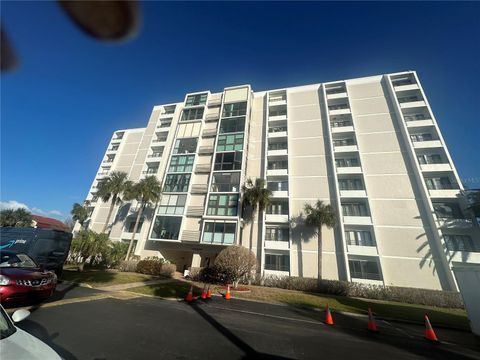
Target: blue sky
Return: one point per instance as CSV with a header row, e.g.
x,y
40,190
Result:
x,y
70,92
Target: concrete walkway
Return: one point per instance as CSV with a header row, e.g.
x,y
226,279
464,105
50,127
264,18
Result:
x,y
121,287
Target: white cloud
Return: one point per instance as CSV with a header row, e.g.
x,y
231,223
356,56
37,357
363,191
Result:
x,y
12,204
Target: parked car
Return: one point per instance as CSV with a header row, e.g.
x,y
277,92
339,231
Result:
x,y
47,247
16,344
23,280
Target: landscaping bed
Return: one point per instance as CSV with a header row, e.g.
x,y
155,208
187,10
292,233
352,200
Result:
x,y
102,277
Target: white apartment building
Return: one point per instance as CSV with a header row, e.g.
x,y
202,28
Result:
x,y
370,146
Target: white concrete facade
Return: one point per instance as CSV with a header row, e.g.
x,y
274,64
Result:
x,y
370,147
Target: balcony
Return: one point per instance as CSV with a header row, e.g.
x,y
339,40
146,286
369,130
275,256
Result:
x,y
280,152
190,236
214,102
464,257
202,168
160,141
357,220
108,161
340,95
353,193
345,148
443,193
404,86
199,188
412,104
209,133
276,218
195,211
212,116
417,123
280,193
349,170
362,250
154,157
436,167
342,129
277,245
205,150
427,144
277,172
150,171
447,223
281,117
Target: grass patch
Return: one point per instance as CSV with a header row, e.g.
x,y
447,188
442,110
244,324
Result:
x,y
440,316
102,277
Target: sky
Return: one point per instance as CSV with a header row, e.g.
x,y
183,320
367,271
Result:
x,y
59,108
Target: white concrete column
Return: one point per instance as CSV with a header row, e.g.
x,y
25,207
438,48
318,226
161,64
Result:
x,y
196,260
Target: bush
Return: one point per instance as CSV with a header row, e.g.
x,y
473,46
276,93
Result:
x,y
235,263
377,292
156,266
128,265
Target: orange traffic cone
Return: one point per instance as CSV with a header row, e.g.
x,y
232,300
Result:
x,y
189,296
371,322
227,295
209,293
328,316
429,333
203,296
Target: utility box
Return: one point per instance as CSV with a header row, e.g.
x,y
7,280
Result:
x,y
468,281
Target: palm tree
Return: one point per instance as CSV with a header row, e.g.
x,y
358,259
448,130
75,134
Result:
x,y
16,218
255,195
146,191
112,187
318,216
80,213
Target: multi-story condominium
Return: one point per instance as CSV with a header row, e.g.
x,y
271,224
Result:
x,y
370,147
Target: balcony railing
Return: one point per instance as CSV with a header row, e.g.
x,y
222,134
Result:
x,y
157,140
338,107
155,155
150,171
277,129
108,161
408,99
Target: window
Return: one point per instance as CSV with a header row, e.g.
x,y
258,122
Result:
x,y
406,99
177,183
222,205
219,233
350,184
364,269
439,183
347,162
276,234
344,142
156,152
151,170
166,227
192,114
354,209
461,243
277,146
164,123
172,204
131,225
232,125
274,129
226,182
338,121
278,208
277,165
277,262
114,147
230,142
195,100
110,158
449,210
338,89
413,117
277,111
277,185
429,159
185,146
169,109
228,161
421,137
338,106
235,109
182,163
359,238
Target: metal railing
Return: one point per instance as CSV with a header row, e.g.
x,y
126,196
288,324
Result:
x,y
365,275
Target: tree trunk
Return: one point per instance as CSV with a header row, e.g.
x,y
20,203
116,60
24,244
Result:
x,y
139,216
114,200
320,249
254,212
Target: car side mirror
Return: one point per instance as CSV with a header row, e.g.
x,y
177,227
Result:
x,y
20,315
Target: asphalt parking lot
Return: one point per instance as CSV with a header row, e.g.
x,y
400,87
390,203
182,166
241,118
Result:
x,y
80,324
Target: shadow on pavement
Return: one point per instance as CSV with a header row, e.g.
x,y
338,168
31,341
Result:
x,y
250,353
41,333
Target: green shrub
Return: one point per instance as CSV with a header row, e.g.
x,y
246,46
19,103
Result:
x,y
156,266
128,265
352,289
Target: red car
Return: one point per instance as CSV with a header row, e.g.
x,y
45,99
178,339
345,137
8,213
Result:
x,y
22,280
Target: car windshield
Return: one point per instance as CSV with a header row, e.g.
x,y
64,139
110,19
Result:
x,y
16,260
6,326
